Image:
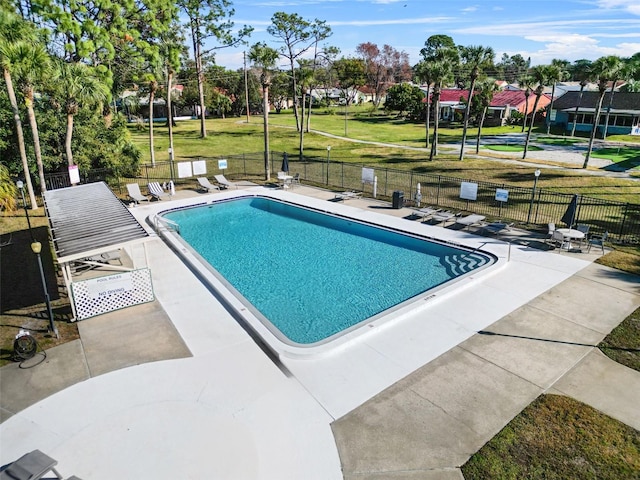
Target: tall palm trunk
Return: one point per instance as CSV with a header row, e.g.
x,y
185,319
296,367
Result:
x,y
265,113
152,97
526,110
67,140
301,149
548,117
36,138
197,53
436,121
20,134
484,114
426,122
575,113
596,121
606,121
467,113
533,120
170,113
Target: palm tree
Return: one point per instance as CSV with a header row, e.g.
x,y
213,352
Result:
x,y
32,66
265,58
582,72
440,57
81,88
475,59
486,90
440,71
540,77
424,75
604,69
617,70
557,72
12,29
526,82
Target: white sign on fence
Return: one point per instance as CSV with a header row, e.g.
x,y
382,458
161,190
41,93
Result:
x,y
199,167
367,175
222,164
502,195
184,170
468,191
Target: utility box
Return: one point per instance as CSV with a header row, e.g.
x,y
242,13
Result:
x,y
398,199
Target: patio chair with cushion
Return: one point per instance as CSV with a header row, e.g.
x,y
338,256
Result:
x,y
597,240
581,227
206,185
156,191
133,190
223,182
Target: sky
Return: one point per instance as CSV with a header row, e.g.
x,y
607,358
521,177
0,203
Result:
x,y
538,29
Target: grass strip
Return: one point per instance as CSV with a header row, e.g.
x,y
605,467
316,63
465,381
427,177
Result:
x,y
557,437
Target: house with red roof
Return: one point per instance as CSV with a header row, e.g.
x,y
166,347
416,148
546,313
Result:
x,y
502,107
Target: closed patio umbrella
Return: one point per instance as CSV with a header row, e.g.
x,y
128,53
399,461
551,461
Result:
x,y
418,194
569,216
285,163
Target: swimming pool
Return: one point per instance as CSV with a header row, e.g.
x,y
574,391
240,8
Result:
x,y
310,276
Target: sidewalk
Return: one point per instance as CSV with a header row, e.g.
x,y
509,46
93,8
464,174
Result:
x,y
432,421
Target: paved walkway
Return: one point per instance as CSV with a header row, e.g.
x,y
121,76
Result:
x,y
221,408
431,422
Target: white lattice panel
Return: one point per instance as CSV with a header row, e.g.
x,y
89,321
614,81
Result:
x,y
112,292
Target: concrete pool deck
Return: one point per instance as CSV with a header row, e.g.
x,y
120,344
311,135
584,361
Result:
x,y
411,401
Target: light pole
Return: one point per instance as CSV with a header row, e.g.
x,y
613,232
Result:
x,y
533,193
328,157
36,247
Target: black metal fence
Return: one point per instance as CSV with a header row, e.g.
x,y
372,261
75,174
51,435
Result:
x,y
535,208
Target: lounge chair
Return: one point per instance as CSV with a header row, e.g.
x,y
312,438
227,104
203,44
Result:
x,y
347,195
31,466
156,191
443,217
496,227
206,185
469,220
223,182
427,212
133,190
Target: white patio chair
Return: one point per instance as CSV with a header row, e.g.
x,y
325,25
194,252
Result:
x,y
133,190
206,185
156,191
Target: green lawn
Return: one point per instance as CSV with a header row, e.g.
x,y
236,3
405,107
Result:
x,y
234,136
628,157
557,437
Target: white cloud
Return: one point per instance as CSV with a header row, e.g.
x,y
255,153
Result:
x,y
397,21
630,6
470,9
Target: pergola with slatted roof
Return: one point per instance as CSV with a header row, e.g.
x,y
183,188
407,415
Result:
x,y
88,221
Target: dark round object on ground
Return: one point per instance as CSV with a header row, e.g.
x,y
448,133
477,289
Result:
x,y
24,347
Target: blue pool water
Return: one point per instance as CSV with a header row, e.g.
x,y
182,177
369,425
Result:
x,y
313,275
